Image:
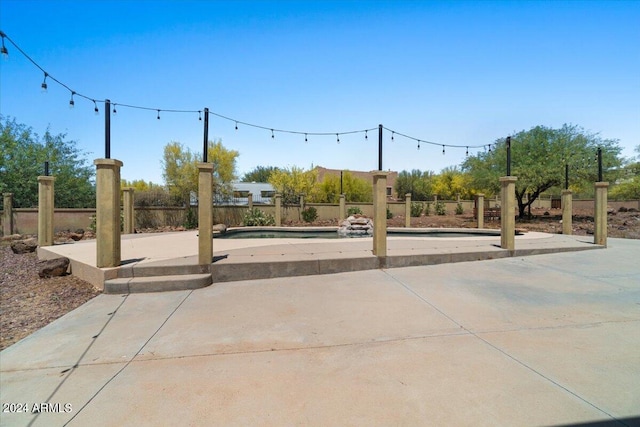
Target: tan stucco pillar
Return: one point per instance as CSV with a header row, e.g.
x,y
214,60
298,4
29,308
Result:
x,y
480,210
46,194
507,212
380,214
343,208
600,214
108,212
567,212
7,214
278,210
128,211
407,210
205,213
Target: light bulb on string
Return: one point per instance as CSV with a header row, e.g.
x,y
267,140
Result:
x,y
272,136
158,115
4,51
489,147
236,125
365,135
305,138
392,133
199,115
338,138
467,152
114,109
43,86
418,144
71,101
443,150
95,107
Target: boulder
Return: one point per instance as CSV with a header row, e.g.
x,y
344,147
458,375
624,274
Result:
x,y
220,228
356,226
53,267
24,246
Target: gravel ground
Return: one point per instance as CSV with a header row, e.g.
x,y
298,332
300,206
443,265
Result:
x,y
27,302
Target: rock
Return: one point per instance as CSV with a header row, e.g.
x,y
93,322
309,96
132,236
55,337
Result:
x,y
76,236
53,267
356,226
220,228
24,246
12,237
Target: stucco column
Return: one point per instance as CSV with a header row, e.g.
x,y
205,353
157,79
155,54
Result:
x,y
129,213
480,209
278,210
407,210
205,213
45,210
7,214
343,208
600,214
380,214
507,212
567,211
108,212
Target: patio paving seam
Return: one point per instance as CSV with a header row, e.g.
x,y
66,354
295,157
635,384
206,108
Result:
x,y
76,413
495,347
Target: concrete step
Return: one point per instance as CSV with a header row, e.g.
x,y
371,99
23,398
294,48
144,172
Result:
x,y
157,284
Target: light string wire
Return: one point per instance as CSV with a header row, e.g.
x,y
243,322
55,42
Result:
x,y
75,93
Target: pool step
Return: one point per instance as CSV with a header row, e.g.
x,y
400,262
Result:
x,y
178,282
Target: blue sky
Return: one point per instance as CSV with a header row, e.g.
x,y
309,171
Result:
x,y
450,72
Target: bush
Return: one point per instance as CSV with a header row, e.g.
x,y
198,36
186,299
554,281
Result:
x,y
310,214
191,219
354,210
440,209
459,209
389,214
416,209
92,226
256,217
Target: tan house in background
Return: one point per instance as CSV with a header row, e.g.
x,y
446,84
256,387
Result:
x,y
368,176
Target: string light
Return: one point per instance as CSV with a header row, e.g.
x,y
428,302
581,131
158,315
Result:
x,y
4,51
158,115
114,109
199,115
272,137
338,138
418,144
71,102
443,150
467,152
95,107
365,135
489,147
392,133
305,138
236,125
43,86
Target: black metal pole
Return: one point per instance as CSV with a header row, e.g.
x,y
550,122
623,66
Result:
x,y
205,144
107,129
379,147
508,156
46,168
566,176
599,164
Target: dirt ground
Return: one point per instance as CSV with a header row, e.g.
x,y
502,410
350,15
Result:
x,y
28,302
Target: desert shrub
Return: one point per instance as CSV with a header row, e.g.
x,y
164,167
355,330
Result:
x,y
440,208
256,217
459,209
416,209
310,214
354,210
389,214
191,219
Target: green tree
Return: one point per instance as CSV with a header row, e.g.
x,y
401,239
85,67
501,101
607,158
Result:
x,y
22,157
538,158
259,174
180,169
628,186
355,189
416,182
291,183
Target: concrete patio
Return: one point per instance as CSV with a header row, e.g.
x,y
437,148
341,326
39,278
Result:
x,y
542,340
